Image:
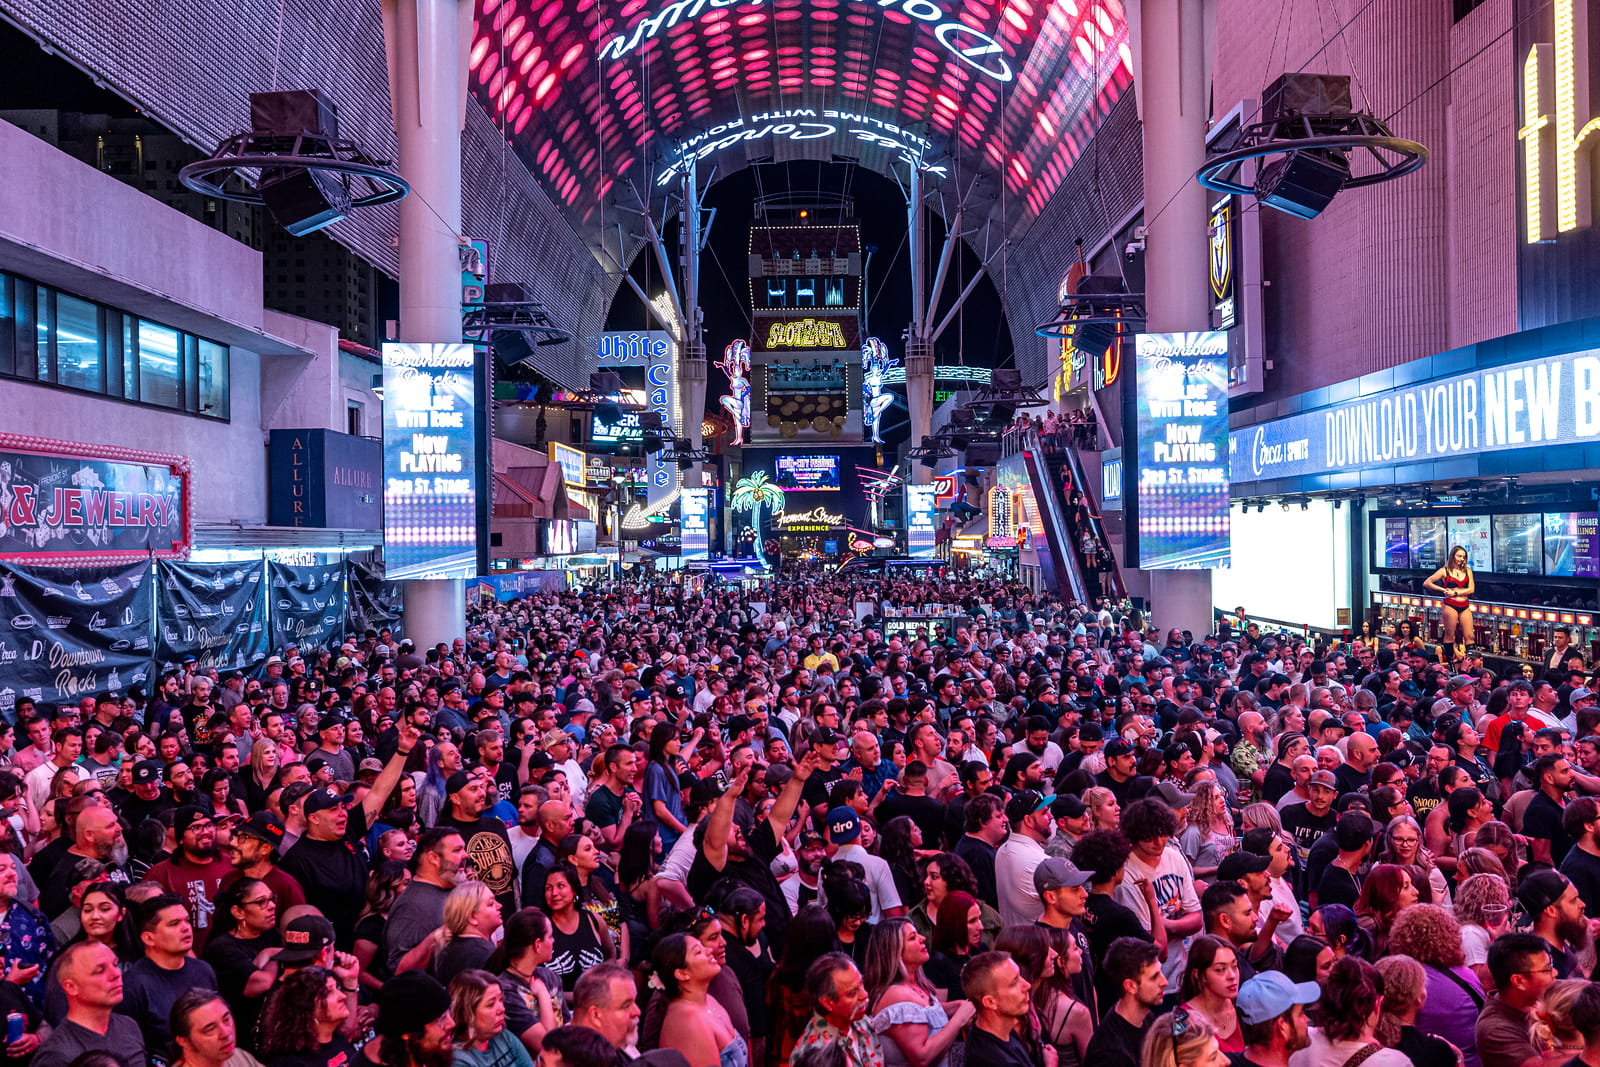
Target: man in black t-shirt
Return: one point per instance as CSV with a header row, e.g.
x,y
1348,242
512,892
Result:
x,y
488,846
1582,864
1542,819
909,796
1309,821
1120,775
825,743
330,860
1104,854
1134,969
993,984
722,849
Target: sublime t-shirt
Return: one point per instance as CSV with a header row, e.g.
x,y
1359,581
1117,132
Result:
x,y
489,854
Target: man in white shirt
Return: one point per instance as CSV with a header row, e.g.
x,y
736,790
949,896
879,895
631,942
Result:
x,y
844,833
562,747
69,746
1150,825
1031,824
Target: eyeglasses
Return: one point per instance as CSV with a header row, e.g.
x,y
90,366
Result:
x,y
1539,970
258,902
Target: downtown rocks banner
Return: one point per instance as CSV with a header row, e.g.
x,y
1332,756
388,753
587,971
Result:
x,y
308,604
374,602
67,634
215,612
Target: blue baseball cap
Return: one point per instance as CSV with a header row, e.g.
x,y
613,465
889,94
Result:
x,y
844,825
1270,994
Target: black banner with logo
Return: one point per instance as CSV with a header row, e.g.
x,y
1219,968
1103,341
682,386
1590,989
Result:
x,y
67,634
308,604
215,612
374,601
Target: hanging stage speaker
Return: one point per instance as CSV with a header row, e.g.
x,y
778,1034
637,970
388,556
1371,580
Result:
x,y
983,453
293,112
304,201
1302,184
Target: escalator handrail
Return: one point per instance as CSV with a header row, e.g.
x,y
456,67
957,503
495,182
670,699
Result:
x,y
1039,473
1091,506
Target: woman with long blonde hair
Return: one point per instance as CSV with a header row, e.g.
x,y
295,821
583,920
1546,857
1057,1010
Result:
x,y
1178,1039
1104,812
471,919
1209,835
903,1005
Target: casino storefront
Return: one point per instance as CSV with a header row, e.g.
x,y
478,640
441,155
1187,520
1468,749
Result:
x,y
1346,499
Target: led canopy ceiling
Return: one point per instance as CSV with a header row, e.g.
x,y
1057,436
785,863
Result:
x,y
608,101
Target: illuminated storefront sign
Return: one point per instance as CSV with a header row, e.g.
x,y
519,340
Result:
x,y
631,349
818,517
573,465
431,460
696,528
806,333
1556,124
1111,479
803,124
944,372
971,46
920,510
1182,425
1220,264
655,351
1549,401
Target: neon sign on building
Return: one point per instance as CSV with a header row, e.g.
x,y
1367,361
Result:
x,y
806,333
1556,124
973,47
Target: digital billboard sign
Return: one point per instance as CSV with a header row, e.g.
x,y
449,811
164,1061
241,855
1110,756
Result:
x,y
803,472
695,510
1182,420
1471,532
1549,401
1519,544
1572,544
1396,542
432,461
920,510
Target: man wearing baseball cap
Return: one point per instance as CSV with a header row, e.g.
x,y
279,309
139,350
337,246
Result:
x,y
1272,1018
194,871
414,1024
1028,814
1120,775
329,862
253,853
844,834
1309,821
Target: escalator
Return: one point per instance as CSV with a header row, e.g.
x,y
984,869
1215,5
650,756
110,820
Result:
x,y
1078,547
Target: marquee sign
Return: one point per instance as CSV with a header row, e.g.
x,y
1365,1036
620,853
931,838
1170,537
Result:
x,y
806,333
1553,400
65,502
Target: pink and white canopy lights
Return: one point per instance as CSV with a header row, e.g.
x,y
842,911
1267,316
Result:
x,y
593,92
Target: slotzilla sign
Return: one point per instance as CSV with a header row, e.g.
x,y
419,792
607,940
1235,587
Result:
x,y
1549,401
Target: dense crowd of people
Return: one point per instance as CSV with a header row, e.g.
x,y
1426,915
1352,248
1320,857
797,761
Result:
x,y
765,823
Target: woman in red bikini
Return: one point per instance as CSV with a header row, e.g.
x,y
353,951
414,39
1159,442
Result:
x,y
1454,582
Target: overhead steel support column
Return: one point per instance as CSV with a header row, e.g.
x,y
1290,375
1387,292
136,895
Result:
x,y
427,43
1171,83
919,340
692,353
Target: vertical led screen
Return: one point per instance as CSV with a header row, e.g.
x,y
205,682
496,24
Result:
x,y
1183,450
696,515
431,461
919,520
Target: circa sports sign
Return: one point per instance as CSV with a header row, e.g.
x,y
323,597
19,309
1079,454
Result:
x,y
1553,400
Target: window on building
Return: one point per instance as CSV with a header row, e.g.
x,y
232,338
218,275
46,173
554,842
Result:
x,y
79,343
352,418
160,366
56,338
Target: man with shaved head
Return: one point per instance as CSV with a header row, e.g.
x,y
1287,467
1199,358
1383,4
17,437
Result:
x,y
99,837
91,978
1252,755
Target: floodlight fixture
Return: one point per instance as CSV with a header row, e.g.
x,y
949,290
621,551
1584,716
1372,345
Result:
x,y
292,161
1310,133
